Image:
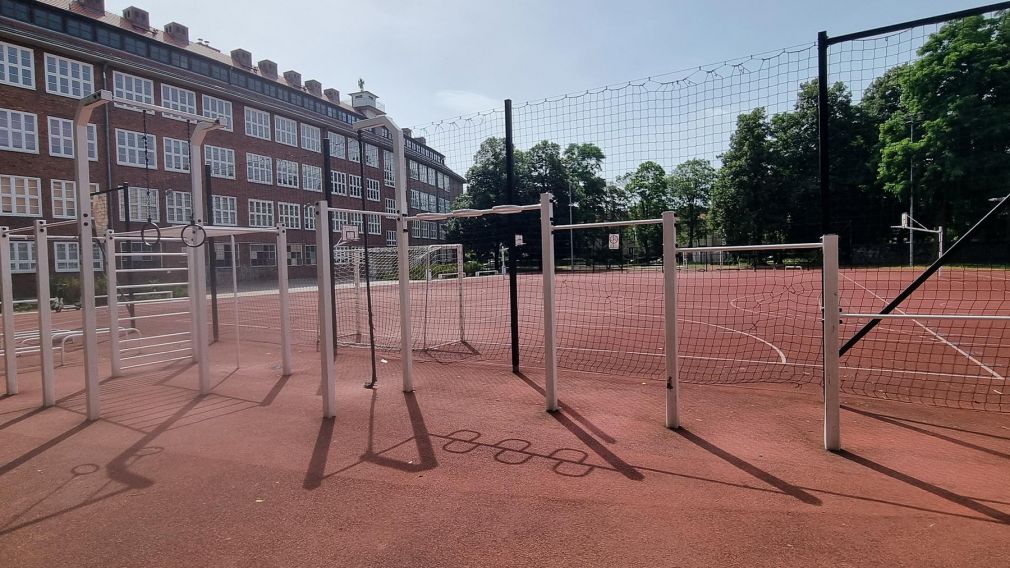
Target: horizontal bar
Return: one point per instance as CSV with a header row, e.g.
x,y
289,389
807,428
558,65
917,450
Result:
x,y
61,223
159,301
747,248
149,363
128,254
146,355
165,344
933,231
928,316
604,224
920,22
135,236
364,212
151,285
156,336
463,213
152,316
20,230
176,269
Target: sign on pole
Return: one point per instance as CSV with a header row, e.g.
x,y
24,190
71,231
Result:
x,y
519,240
615,241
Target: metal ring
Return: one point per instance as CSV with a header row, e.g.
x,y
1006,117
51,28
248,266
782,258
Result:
x,y
150,226
193,235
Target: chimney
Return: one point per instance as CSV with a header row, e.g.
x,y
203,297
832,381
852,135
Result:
x,y
315,88
293,78
177,32
407,132
421,140
332,95
139,18
267,68
242,58
93,5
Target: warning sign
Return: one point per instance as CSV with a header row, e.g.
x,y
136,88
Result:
x,y
615,241
519,240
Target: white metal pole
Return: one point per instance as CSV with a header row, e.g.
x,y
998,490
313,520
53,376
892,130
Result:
x,y
324,283
193,305
670,318
403,254
550,350
282,285
427,291
234,302
7,302
460,275
832,434
45,313
112,302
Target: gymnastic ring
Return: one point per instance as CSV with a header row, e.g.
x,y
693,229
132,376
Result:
x,y
193,235
147,229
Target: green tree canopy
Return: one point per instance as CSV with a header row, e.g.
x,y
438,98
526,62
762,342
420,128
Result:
x,y
690,187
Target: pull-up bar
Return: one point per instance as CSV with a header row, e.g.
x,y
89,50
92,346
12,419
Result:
x,y
31,228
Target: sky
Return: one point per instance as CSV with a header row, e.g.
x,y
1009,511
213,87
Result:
x,y
429,60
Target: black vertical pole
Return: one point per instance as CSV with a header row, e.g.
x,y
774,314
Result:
x,y
212,257
510,194
328,192
128,260
823,133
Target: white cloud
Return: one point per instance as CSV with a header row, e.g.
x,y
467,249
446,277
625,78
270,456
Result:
x,y
465,102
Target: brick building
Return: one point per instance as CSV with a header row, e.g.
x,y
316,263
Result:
x,y
266,166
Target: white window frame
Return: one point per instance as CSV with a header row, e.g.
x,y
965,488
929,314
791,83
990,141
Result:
x,y
287,173
259,169
338,145
339,182
23,72
285,131
295,254
132,88
413,169
71,261
257,123
63,198
372,190
68,77
390,205
289,214
178,207
22,137
371,155
311,137
22,256
142,202
374,225
309,217
177,98
390,238
214,107
20,196
310,255
221,161
354,186
60,132
131,143
175,154
312,178
224,210
353,151
388,171
261,213
256,249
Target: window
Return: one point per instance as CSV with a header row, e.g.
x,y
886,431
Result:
x,y
222,255
312,177
64,198
355,186
342,255
136,149
356,220
176,155
353,151
17,66
286,131
261,213
371,156
443,205
218,108
415,199
22,256
295,257
132,88
289,215
68,78
310,255
388,175
310,138
338,145
259,169
390,205
374,225
373,190
415,229
19,131
225,210
67,257
413,170
262,255
178,207
339,182
182,100
257,123
390,238
309,217
61,139
144,205
20,196
287,173
220,160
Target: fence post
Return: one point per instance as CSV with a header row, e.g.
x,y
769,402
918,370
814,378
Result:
x,y
7,299
460,274
45,312
823,132
670,318
829,273
112,301
550,350
324,284
282,290
512,262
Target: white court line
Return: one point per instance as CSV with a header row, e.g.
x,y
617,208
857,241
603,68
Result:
x,y
782,356
935,334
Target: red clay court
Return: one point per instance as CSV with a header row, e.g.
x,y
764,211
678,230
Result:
x,y
470,471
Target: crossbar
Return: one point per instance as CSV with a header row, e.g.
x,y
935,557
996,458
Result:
x,y
929,316
752,248
604,224
150,337
151,285
178,269
152,316
162,361
146,355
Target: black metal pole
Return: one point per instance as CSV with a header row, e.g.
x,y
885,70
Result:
x,y
823,131
510,195
328,192
368,273
130,307
212,256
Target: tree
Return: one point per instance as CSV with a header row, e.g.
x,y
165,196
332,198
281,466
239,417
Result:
x,y
584,162
690,187
957,96
650,196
